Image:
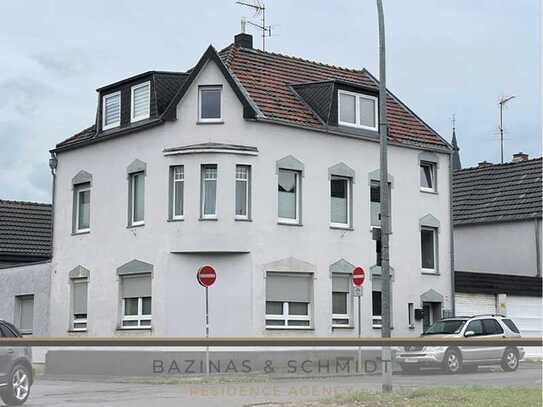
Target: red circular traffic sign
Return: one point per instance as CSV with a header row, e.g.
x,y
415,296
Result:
x,y
206,276
358,276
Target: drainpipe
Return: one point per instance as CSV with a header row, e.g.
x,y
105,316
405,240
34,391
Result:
x,y
53,162
537,224
451,232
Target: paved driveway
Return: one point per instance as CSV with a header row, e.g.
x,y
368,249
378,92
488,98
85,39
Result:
x,y
101,393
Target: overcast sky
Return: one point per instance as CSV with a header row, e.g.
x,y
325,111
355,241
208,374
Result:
x,y
444,57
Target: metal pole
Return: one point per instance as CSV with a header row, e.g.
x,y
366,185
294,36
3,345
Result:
x,y
385,207
501,130
359,333
207,332
263,28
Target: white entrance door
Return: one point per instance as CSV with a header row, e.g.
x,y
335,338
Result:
x,y
474,304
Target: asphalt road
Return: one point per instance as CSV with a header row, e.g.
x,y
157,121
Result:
x,y
101,393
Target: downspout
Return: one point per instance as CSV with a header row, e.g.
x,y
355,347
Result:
x,y
451,233
53,162
537,224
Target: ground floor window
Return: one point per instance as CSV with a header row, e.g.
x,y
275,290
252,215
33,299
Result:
x,y
288,300
341,300
79,304
24,313
376,309
136,301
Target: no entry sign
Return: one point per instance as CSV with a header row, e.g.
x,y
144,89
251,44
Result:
x,y
358,276
206,276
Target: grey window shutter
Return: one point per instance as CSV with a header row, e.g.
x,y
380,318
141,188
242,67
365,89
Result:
x,y
80,297
138,285
27,313
291,287
341,283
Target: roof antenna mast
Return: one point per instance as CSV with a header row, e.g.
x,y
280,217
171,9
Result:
x,y
260,10
502,102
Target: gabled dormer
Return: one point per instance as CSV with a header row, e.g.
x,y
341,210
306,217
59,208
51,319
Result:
x,y
136,101
342,104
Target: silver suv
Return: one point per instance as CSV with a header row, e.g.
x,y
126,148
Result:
x,y
453,358
15,369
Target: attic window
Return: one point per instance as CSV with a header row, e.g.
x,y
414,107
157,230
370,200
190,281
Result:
x,y
111,110
357,110
140,101
210,104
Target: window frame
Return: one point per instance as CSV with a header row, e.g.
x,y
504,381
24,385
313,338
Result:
x,y
78,189
347,316
286,317
210,120
174,181
133,198
297,219
435,243
133,89
203,215
357,123
433,176
74,320
247,215
104,98
139,317
376,320
349,187
19,310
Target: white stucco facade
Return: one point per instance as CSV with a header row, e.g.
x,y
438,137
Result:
x,y
241,251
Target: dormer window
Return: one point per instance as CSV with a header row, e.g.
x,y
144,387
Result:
x,y
111,111
140,101
209,109
357,110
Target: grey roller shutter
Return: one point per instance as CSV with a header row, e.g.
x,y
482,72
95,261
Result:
x,y
80,297
27,313
138,285
289,287
341,283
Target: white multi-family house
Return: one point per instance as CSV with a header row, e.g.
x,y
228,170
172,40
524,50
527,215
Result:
x,y
266,167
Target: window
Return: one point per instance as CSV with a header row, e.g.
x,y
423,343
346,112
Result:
x,y
356,110
289,196
177,191
137,198
376,309
136,301
428,242
511,325
375,203
492,327
111,110
476,326
378,248
210,104
140,101
82,208
340,202
209,192
341,300
79,304
243,173
24,316
427,177
288,300
411,314
7,332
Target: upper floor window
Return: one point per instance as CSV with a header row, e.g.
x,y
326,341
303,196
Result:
x,y
340,201
242,191
82,208
427,176
140,101
289,196
137,198
177,191
209,192
210,104
111,110
428,242
357,110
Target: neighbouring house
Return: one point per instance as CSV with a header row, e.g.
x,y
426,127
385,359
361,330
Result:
x,y
497,238
25,265
266,167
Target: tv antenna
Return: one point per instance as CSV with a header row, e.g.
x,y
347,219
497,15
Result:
x,y
260,10
502,103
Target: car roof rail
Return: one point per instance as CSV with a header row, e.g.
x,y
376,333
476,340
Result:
x,y
489,315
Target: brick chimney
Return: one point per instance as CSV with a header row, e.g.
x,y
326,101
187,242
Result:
x,y
243,40
520,157
485,163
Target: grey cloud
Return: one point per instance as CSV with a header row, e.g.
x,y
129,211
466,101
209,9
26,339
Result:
x,y
40,177
24,94
65,65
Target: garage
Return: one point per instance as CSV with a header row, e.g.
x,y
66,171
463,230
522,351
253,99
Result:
x,y
467,304
526,312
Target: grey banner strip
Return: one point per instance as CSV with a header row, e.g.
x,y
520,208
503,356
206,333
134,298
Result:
x,y
270,342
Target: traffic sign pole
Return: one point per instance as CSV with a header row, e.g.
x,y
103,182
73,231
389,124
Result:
x,y
358,278
207,331
206,277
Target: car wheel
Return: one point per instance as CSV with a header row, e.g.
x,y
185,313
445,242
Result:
x,y
18,388
452,362
409,368
510,360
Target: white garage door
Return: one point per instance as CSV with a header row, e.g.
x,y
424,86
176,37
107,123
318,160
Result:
x,y
474,304
526,313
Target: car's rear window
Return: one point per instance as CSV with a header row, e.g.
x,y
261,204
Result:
x,y
6,331
511,325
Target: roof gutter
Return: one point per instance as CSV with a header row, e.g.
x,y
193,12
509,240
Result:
x,y
53,163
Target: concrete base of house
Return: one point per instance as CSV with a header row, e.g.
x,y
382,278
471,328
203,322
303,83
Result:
x,y
144,363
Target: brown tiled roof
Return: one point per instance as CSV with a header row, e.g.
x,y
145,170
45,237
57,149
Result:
x,y
25,229
498,193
